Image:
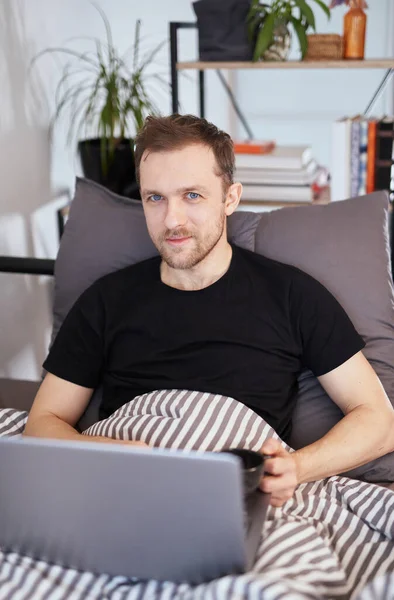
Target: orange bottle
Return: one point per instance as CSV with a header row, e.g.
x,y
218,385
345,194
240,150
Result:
x,y
355,24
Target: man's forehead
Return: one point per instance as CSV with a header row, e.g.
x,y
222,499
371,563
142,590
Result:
x,y
194,153
183,170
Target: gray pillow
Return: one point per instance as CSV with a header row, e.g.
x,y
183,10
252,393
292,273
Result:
x,y
345,246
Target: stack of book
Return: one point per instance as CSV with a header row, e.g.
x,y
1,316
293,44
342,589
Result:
x,y
282,174
362,156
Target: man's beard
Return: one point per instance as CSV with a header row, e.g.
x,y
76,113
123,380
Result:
x,y
187,258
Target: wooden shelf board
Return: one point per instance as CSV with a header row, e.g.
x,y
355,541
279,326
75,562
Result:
x,y
376,63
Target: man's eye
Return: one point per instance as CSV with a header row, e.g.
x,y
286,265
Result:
x,y
193,195
155,197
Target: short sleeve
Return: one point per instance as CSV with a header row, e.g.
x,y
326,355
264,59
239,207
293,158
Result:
x,y
77,354
325,333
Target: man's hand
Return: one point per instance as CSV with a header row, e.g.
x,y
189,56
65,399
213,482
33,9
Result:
x,y
280,473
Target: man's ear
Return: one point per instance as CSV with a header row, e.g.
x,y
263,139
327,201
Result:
x,y
233,197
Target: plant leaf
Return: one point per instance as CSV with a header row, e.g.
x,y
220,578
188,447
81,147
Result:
x,y
255,18
136,43
79,121
306,12
300,31
264,38
70,97
79,55
253,25
108,32
260,9
324,7
151,56
161,79
254,7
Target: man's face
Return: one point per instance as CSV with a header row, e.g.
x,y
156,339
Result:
x,y
183,200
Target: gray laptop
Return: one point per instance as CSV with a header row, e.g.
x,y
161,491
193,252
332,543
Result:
x,y
122,510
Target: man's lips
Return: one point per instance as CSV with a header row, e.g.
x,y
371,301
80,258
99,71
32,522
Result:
x,y
178,241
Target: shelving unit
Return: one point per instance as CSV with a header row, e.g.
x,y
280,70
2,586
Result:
x,y
386,64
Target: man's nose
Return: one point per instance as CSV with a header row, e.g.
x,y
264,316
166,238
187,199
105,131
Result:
x,y
175,214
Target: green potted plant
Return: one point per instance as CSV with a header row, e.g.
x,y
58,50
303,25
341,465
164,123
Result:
x,y
107,98
269,26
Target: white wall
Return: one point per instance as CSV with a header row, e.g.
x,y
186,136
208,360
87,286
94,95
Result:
x,y
291,106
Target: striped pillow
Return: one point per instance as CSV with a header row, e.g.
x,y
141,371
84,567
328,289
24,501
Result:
x,y
183,419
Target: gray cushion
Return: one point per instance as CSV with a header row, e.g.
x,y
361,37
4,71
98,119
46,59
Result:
x,y
345,246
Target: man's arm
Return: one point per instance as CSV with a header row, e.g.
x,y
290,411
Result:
x,y
366,432
57,408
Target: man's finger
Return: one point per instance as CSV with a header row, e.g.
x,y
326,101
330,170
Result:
x,y
270,484
273,447
278,465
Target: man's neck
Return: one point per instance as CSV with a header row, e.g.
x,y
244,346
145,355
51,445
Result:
x,y
207,272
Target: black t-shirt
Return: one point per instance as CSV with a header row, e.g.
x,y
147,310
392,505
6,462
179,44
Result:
x,y
247,336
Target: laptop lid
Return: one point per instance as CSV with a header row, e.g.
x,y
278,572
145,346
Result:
x,y
123,510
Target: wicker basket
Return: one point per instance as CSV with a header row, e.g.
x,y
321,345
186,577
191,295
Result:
x,y
326,46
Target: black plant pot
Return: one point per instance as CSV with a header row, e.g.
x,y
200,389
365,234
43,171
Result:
x,y
222,29
117,173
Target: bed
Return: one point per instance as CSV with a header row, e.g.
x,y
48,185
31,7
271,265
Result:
x,y
335,538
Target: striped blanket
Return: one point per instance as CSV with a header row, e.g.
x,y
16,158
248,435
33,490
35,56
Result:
x,y
333,539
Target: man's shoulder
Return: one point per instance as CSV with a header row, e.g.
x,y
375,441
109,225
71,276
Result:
x,y
279,275
141,269
269,266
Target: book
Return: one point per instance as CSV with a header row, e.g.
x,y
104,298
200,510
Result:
x,y
280,193
304,176
362,157
362,182
282,157
371,155
341,159
354,156
384,154
254,147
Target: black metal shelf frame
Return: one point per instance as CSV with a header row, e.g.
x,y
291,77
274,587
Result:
x,y
26,265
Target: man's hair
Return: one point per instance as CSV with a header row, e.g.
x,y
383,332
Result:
x,y
175,132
